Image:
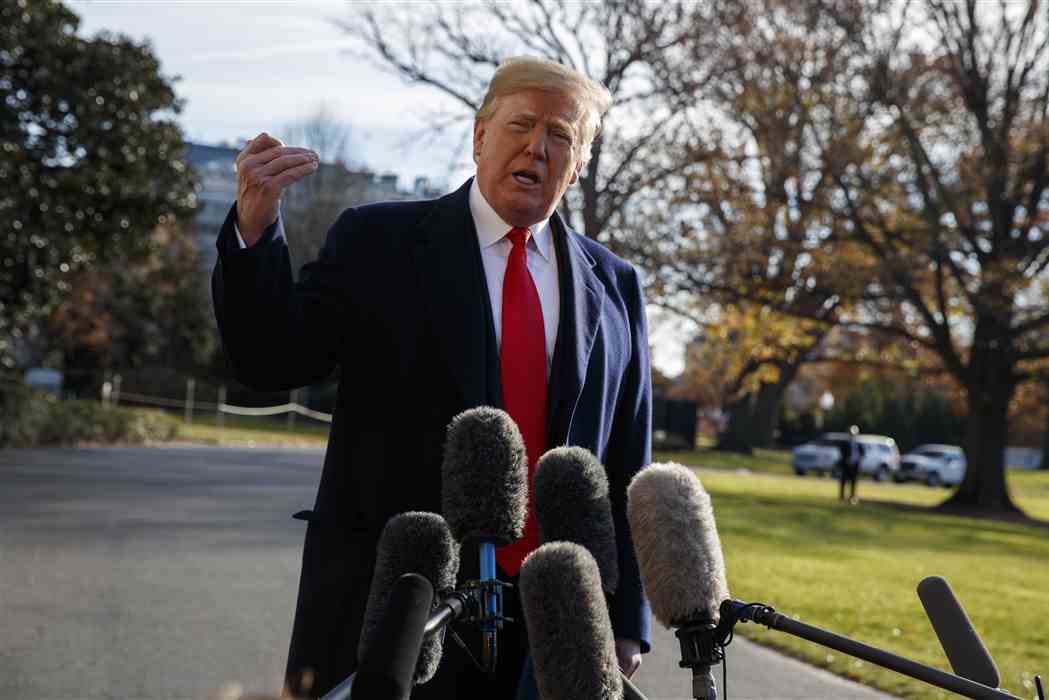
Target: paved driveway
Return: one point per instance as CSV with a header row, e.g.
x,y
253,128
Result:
x,y
171,573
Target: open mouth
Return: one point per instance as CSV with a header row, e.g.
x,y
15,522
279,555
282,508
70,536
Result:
x,y
526,177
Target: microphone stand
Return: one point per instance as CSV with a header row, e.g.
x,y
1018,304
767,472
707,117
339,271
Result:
x,y
733,611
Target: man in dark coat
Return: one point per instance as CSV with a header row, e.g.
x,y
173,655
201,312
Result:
x,y
408,301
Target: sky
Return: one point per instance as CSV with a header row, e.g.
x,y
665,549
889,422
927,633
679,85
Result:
x,y
250,66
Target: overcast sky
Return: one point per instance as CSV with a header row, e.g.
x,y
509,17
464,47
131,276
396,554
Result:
x,y
251,66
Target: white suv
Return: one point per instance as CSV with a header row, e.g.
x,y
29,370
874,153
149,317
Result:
x,y
881,457
936,465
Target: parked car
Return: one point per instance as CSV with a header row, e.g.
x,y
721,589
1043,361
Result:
x,y
880,461
936,465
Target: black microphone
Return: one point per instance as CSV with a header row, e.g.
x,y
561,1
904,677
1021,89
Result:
x,y
570,496
413,542
389,663
484,496
682,568
964,649
569,634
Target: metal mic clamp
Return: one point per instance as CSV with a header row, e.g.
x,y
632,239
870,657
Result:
x,y
701,648
485,609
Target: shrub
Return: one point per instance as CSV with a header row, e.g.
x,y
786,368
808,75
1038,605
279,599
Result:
x,y
29,419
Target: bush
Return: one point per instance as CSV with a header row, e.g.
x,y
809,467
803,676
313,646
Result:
x,y
31,419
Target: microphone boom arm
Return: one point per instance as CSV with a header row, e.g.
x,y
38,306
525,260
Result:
x,y
733,611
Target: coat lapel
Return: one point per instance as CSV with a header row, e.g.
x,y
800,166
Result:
x,y
582,296
448,258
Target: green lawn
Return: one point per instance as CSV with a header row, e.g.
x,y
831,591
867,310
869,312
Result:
x,y
255,431
853,570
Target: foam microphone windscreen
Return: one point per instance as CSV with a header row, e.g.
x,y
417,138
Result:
x,y
570,495
676,543
964,649
419,543
484,477
387,671
569,632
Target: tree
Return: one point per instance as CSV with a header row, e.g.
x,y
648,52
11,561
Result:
x,y
315,202
89,160
615,43
951,200
148,312
748,227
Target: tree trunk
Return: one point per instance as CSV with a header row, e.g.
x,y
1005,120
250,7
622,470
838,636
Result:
x,y
1045,435
989,390
737,435
765,416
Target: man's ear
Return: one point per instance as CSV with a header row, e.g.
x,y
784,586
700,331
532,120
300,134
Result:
x,y
576,170
479,134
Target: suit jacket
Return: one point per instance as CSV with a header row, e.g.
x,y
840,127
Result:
x,y
397,302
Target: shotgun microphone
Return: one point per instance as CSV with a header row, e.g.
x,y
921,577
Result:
x,y
682,567
413,542
569,634
484,495
570,494
964,649
390,661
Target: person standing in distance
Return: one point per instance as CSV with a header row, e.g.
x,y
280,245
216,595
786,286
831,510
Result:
x,y
428,308
850,466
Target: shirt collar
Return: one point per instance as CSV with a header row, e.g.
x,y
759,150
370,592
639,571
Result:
x,y
491,228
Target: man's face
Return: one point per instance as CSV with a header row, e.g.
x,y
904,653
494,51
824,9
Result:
x,y
527,154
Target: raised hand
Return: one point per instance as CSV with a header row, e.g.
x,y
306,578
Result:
x,y
264,168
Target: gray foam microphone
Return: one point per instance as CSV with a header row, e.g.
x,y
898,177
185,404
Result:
x,y
570,495
484,487
484,495
964,649
677,545
413,542
682,568
569,633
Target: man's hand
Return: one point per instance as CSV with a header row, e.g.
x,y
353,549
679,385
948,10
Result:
x,y
264,168
628,651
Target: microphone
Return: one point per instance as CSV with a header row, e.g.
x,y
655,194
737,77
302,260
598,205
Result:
x,y
484,492
390,662
570,496
569,634
964,649
682,567
412,542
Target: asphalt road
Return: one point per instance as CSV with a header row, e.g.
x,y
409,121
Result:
x,y
171,573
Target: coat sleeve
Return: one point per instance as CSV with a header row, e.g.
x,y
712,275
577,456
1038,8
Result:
x,y
630,449
280,334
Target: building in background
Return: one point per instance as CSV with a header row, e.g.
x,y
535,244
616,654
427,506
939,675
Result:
x,y
313,203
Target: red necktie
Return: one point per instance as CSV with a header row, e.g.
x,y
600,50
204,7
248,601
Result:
x,y
522,362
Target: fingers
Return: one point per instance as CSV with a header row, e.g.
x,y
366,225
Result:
x,y
258,144
291,158
292,175
255,160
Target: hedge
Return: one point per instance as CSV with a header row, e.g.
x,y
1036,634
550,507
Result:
x,y
30,419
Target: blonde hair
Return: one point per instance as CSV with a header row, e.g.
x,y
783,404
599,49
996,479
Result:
x,y
530,73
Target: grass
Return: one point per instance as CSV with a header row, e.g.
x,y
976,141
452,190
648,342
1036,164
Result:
x,y
255,431
853,570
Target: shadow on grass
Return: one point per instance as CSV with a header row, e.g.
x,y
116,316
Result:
x,y
827,528
1017,517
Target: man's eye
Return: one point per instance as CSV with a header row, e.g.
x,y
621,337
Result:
x,y
562,136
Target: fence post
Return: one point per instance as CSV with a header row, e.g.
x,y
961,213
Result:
x,y
107,388
115,396
293,398
190,385
220,417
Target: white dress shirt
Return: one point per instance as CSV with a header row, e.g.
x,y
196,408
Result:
x,y
495,252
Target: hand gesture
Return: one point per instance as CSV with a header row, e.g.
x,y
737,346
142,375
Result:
x,y
264,168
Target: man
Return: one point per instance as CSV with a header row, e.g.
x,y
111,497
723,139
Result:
x,y
481,297
852,455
